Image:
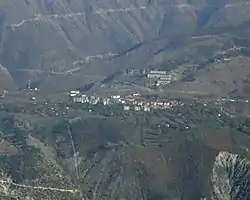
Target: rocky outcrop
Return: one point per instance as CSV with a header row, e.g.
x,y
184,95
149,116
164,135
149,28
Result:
x,y
231,177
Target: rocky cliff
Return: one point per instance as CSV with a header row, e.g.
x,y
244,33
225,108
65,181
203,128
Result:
x,y
230,177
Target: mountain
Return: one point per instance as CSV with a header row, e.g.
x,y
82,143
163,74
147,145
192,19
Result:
x,y
43,41
53,148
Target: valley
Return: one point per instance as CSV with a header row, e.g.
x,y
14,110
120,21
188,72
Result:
x,y
124,100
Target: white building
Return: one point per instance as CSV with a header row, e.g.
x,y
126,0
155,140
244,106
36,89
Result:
x,y
74,92
126,108
81,99
157,72
146,109
72,95
156,76
137,108
116,97
94,100
106,101
140,103
136,94
163,82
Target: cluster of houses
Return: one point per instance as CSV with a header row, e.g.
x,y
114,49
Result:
x,y
159,77
132,102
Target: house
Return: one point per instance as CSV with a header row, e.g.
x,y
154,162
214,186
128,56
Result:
x,y
140,103
80,99
160,103
135,102
146,109
126,108
94,100
163,82
74,92
116,97
137,108
136,94
106,101
157,76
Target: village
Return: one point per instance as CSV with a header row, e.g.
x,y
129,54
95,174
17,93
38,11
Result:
x,y
132,102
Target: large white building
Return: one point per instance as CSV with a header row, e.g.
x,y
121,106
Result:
x,y
156,76
157,72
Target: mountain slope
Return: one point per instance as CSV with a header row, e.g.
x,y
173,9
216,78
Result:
x,y
107,158
58,36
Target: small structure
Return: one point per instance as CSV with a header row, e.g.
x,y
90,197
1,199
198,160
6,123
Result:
x,y
5,91
80,99
137,108
2,95
74,93
136,94
163,77
156,76
126,108
106,101
146,109
164,81
94,100
116,97
140,103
